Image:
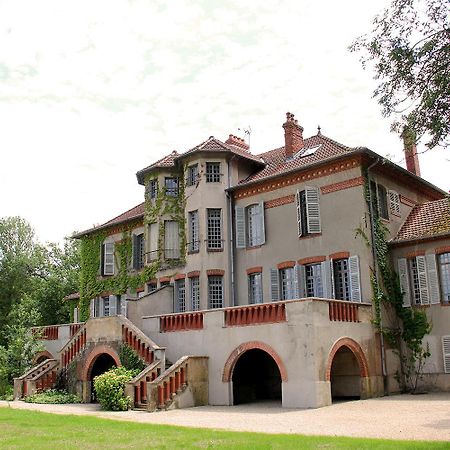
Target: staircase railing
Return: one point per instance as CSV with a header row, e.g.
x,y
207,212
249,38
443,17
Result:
x,y
76,344
136,388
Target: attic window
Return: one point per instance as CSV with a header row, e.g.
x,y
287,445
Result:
x,y
308,151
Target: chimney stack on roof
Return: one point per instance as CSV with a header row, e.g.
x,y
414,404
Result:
x,y
237,142
293,136
410,149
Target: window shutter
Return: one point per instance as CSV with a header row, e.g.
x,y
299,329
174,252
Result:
x,y
274,287
404,281
327,279
101,307
135,251
171,239
355,279
433,281
112,305
298,202
313,210
102,260
423,280
262,229
394,202
301,277
92,308
123,306
446,353
240,226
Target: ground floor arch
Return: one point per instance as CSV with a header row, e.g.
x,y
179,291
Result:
x,y
42,356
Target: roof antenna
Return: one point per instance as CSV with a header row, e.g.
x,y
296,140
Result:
x,y
319,130
247,131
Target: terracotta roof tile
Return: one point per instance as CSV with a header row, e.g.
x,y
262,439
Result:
x,y
426,220
166,161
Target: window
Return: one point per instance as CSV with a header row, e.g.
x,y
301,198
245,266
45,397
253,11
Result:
x,y
255,294
180,295
308,211
341,279
215,292
138,251
444,273
214,228
213,172
153,229
313,280
105,306
195,293
193,245
379,200
287,283
394,202
108,259
446,353
171,240
164,283
249,222
171,184
151,287
152,188
192,175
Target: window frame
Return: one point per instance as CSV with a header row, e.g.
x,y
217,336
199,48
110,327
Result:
x,y
214,236
152,188
180,295
444,277
108,259
255,288
193,231
313,279
341,279
213,176
194,293
171,191
174,251
192,175
215,282
287,283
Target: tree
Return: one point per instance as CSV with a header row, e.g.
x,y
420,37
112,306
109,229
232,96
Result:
x,y
409,48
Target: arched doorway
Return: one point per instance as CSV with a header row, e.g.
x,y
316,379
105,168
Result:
x,y
256,377
101,364
345,376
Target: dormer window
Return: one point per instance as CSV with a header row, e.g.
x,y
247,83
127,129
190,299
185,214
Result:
x,y
171,184
213,172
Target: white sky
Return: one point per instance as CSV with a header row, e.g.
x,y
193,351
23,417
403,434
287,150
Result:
x,y
93,91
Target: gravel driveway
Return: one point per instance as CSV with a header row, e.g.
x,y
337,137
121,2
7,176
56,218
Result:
x,y
421,417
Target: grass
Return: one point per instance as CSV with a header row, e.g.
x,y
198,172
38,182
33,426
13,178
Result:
x,y
21,429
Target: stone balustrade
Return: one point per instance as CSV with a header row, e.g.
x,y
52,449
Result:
x,y
180,322
255,314
341,311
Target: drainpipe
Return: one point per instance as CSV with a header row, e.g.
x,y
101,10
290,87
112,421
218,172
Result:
x,y
376,272
230,236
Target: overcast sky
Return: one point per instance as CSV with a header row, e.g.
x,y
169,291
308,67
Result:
x,y
93,91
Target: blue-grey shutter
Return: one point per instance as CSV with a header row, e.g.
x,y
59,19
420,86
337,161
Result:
x,y
446,353
274,285
240,226
404,281
123,306
423,280
112,305
313,210
355,279
262,229
433,280
101,307
327,279
92,308
300,280
298,202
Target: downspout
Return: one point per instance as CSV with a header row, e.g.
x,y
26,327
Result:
x,y
230,236
376,273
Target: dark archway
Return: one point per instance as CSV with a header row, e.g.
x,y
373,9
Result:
x,y
345,376
256,377
102,364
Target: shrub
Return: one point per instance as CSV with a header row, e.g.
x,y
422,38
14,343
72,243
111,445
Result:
x,y
6,393
130,359
110,389
53,396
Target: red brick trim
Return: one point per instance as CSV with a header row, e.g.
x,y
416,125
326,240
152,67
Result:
x,y
288,180
194,273
215,272
153,281
355,349
95,353
236,354
440,250
358,181
279,201
164,279
340,255
179,276
39,355
415,253
286,265
140,289
257,269
407,201
312,260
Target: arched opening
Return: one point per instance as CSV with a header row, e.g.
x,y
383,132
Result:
x,y
345,376
101,364
256,377
41,358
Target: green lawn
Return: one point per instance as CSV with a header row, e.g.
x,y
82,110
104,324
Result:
x,y
21,429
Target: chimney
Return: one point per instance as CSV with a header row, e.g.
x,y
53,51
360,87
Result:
x,y
410,149
293,136
237,142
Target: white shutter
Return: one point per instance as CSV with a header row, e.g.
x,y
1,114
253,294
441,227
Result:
x,y
433,281
101,307
262,227
355,278
301,280
423,280
404,281
108,259
327,279
298,202
171,239
92,308
112,305
153,238
240,226
446,353
123,306
274,285
394,202
313,210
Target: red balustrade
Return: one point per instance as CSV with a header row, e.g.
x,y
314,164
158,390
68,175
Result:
x,y
50,333
74,327
144,350
74,347
255,314
181,322
343,311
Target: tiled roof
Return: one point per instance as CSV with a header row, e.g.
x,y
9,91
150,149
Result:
x,y
166,161
276,163
131,214
426,220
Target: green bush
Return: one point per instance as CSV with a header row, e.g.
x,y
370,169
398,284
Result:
x,y
110,389
53,396
6,392
130,359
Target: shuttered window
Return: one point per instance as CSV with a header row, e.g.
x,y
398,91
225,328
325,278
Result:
x,y
153,239
444,272
108,259
313,280
255,293
394,202
404,281
240,227
446,353
255,224
274,285
171,185
138,251
433,279
287,283
308,211
171,240
341,278
382,201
